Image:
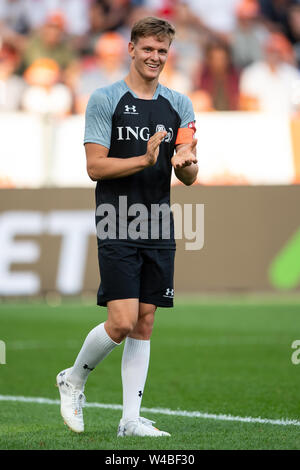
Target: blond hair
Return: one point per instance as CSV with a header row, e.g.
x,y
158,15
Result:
x,y
152,26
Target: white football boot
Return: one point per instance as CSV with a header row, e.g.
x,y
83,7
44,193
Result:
x,y
71,402
139,427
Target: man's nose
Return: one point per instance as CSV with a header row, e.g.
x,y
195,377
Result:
x,y
155,56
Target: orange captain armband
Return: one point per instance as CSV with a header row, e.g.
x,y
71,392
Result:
x,y
185,134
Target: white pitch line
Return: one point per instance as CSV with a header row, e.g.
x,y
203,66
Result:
x,y
163,411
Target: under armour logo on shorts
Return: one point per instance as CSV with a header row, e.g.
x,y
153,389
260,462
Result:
x,y
169,293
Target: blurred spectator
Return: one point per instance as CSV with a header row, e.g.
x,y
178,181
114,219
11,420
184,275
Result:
x,y
202,101
13,15
75,13
275,14
173,78
133,17
44,93
218,16
97,25
117,13
271,85
109,67
50,42
248,36
11,85
103,16
188,42
219,78
161,8
294,22
23,16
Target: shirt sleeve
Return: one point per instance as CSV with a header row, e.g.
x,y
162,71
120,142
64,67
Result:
x,y
187,127
98,119
186,112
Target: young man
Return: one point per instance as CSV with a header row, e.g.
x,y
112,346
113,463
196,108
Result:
x,y
132,129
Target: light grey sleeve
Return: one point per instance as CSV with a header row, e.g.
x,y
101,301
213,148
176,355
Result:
x,y
98,119
186,111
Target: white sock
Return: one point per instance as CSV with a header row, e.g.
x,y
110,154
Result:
x,y
135,362
95,348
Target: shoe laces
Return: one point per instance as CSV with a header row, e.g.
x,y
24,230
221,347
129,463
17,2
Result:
x,y
147,422
78,402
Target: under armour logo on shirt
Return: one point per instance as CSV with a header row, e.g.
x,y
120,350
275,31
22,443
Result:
x,y
130,109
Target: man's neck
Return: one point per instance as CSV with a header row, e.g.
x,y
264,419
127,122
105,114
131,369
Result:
x,y
273,66
144,89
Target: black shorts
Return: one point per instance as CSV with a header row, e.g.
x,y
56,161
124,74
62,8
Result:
x,y
131,272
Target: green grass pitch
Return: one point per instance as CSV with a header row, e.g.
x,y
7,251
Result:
x,y
228,356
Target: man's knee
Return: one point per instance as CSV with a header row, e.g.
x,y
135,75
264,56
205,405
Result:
x,y
144,325
118,330
124,327
122,318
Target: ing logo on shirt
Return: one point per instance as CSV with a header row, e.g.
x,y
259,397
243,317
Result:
x,y
142,133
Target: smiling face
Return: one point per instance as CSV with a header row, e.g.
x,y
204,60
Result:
x,y
149,55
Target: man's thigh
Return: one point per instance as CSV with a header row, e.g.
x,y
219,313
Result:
x,y
129,272
157,277
120,271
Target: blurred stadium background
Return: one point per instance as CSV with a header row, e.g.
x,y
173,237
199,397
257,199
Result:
x,y
239,61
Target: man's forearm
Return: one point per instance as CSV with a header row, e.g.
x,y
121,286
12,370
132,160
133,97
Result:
x,y
110,168
100,166
188,174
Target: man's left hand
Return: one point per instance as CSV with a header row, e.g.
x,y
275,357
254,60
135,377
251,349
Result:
x,y
185,156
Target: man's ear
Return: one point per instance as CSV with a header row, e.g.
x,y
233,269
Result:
x,y
131,49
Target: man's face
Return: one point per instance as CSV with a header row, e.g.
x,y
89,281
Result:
x,y
149,56
51,34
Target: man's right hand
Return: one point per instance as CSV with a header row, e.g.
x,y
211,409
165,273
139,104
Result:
x,y
153,147
100,167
